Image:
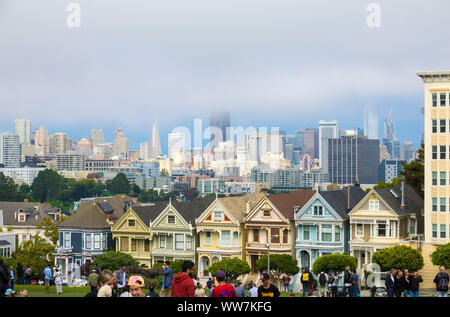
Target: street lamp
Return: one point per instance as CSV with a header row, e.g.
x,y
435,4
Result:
x,y
268,252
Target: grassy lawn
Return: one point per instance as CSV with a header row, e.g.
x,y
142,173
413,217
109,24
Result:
x,y
39,291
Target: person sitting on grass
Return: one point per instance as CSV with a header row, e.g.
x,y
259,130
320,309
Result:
x,y
23,293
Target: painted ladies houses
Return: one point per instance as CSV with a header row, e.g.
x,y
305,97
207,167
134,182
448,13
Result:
x,y
221,230
385,217
87,232
270,223
159,232
322,224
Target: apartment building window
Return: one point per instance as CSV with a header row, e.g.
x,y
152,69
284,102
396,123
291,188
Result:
x,y
226,239
318,211
162,242
255,235
188,242
434,152
443,177
326,233
104,241
434,204
67,243
443,232
97,241
434,96
207,238
285,236
434,126
306,233
442,204
381,228
179,241
442,99
235,239
133,245
434,178
434,230
443,152
337,234
359,230
147,245
442,126
88,240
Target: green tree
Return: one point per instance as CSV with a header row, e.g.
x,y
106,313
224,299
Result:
x,y
47,185
191,194
50,228
334,263
441,256
119,184
279,264
112,260
37,253
8,189
399,257
233,267
413,172
395,181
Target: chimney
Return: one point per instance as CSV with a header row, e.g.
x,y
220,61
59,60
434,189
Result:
x,y
1,218
110,217
135,199
348,197
402,205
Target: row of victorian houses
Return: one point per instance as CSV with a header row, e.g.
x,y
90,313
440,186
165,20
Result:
x,y
304,223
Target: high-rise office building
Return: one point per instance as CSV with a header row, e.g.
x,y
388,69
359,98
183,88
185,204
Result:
x,y
299,139
120,146
10,150
311,142
219,121
371,123
42,141
353,159
156,143
390,169
327,130
436,167
23,130
97,136
60,143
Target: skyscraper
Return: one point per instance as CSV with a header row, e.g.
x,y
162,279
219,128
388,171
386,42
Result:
x,y
23,130
120,146
156,143
97,137
10,150
371,123
327,130
311,142
60,143
219,121
42,140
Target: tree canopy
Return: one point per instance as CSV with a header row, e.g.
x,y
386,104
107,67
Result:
x,y
413,172
279,264
441,256
334,263
119,184
8,189
112,260
399,257
50,228
233,267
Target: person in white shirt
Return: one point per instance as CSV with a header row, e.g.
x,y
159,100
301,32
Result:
x,y
253,292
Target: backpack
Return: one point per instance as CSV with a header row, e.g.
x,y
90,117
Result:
x,y
443,284
305,277
322,279
28,271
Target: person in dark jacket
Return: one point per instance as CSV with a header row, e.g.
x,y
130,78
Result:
x,y
20,274
348,278
167,280
389,282
406,283
398,284
183,284
306,282
152,293
441,280
4,278
414,281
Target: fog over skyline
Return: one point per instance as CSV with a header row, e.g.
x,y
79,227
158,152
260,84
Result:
x,y
270,63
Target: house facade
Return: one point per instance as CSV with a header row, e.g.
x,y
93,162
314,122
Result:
x,y
322,224
270,223
384,218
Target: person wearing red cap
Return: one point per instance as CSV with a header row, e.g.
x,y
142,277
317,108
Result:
x,y
223,289
267,289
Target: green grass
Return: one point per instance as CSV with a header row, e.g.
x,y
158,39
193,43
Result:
x,y
39,291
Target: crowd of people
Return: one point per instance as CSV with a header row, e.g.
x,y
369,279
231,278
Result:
x,y
104,283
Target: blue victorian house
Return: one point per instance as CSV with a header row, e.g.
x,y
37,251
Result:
x,y
322,224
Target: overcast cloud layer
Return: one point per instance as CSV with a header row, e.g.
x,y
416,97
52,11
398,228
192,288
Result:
x,y
287,63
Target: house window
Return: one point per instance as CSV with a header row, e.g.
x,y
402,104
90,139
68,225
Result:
x,y
443,232
434,178
327,233
170,219
442,152
131,223
434,126
266,212
87,241
434,97
337,234
226,238
443,178
392,228
256,235
179,241
285,236
104,241
217,215
208,238
124,244
318,211
67,243
442,99
275,235
188,242
306,233
97,241
381,229
434,204
434,152
434,230
412,226
147,245
133,245
162,242
235,239
442,204
359,230
442,126
21,218
374,204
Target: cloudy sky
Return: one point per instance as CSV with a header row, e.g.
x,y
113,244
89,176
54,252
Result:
x,y
270,62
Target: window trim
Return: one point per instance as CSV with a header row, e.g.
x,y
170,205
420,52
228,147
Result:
x,y
362,231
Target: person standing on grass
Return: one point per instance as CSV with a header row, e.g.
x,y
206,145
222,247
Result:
x,y
121,278
306,282
28,275
93,280
199,291
253,291
398,284
58,281
389,283
183,284
267,289
406,283
167,280
20,274
136,284
240,292
414,282
223,289
323,278
441,280
106,283
12,276
47,277
4,278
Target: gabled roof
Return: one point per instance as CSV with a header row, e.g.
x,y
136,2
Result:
x,y
190,210
413,202
88,215
150,213
338,199
237,206
31,209
118,203
285,202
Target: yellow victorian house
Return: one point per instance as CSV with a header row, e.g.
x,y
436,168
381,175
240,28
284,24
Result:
x,y
221,230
